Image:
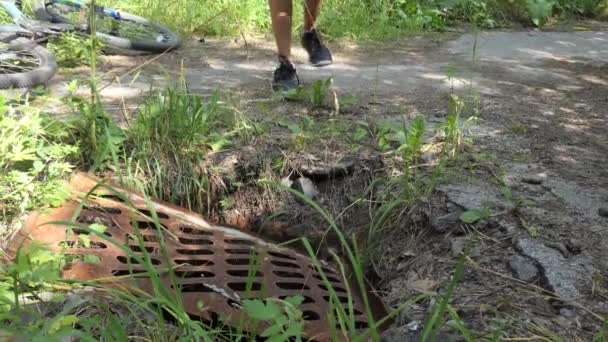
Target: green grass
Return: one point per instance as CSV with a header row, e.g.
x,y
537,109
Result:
x,y
356,19
33,160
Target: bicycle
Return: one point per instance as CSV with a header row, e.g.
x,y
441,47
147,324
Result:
x,y
24,63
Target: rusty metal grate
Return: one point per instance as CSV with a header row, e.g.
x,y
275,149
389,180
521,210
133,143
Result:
x,y
212,264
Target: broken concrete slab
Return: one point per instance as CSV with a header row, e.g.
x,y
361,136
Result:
x,y
585,201
562,276
471,196
523,269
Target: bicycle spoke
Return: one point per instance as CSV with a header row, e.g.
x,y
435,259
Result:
x,y
108,25
14,61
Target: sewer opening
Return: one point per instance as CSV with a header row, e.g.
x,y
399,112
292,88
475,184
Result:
x,y
336,288
292,286
159,214
330,278
284,264
240,261
147,225
194,231
281,255
194,251
309,315
194,262
197,242
83,231
133,261
194,288
102,209
287,274
244,273
137,248
119,273
325,270
245,286
80,244
241,251
194,274
240,242
342,299
144,237
115,198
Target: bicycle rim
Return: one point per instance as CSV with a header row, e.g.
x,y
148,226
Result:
x,y
24,64
17,61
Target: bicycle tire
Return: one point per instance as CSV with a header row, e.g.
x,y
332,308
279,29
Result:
x,y
172,39
46,69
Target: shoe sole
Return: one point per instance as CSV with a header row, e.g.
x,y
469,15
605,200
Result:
x,y
322,63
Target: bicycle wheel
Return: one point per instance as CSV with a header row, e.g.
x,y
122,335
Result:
x,y
25,64
117,29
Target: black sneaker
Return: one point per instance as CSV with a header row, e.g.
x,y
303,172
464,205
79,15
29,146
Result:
x,y
319,54
285,77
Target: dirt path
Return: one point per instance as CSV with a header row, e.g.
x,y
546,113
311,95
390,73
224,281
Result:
x,y
543,118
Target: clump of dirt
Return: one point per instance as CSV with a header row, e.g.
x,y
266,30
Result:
x,y
333,180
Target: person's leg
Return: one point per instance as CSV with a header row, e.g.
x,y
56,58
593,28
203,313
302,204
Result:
x,y
311,11
285,76
280,14
318,53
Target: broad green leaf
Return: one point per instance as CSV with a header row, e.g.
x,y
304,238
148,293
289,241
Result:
x,y
539,11
99,228
61,322
272,330
256,309
296,300
471,216
86,240
277,338
294,329
91,259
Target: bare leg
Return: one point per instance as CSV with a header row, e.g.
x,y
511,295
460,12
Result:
x,y
311,11
281,13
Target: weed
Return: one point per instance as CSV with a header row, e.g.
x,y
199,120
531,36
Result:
x,y
174,119
416,15
475,215
286,320
602,336
477,12
101,140
582,8
72,50
435,321
303,132
168,143
539,11
32,161
452,129
315,94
